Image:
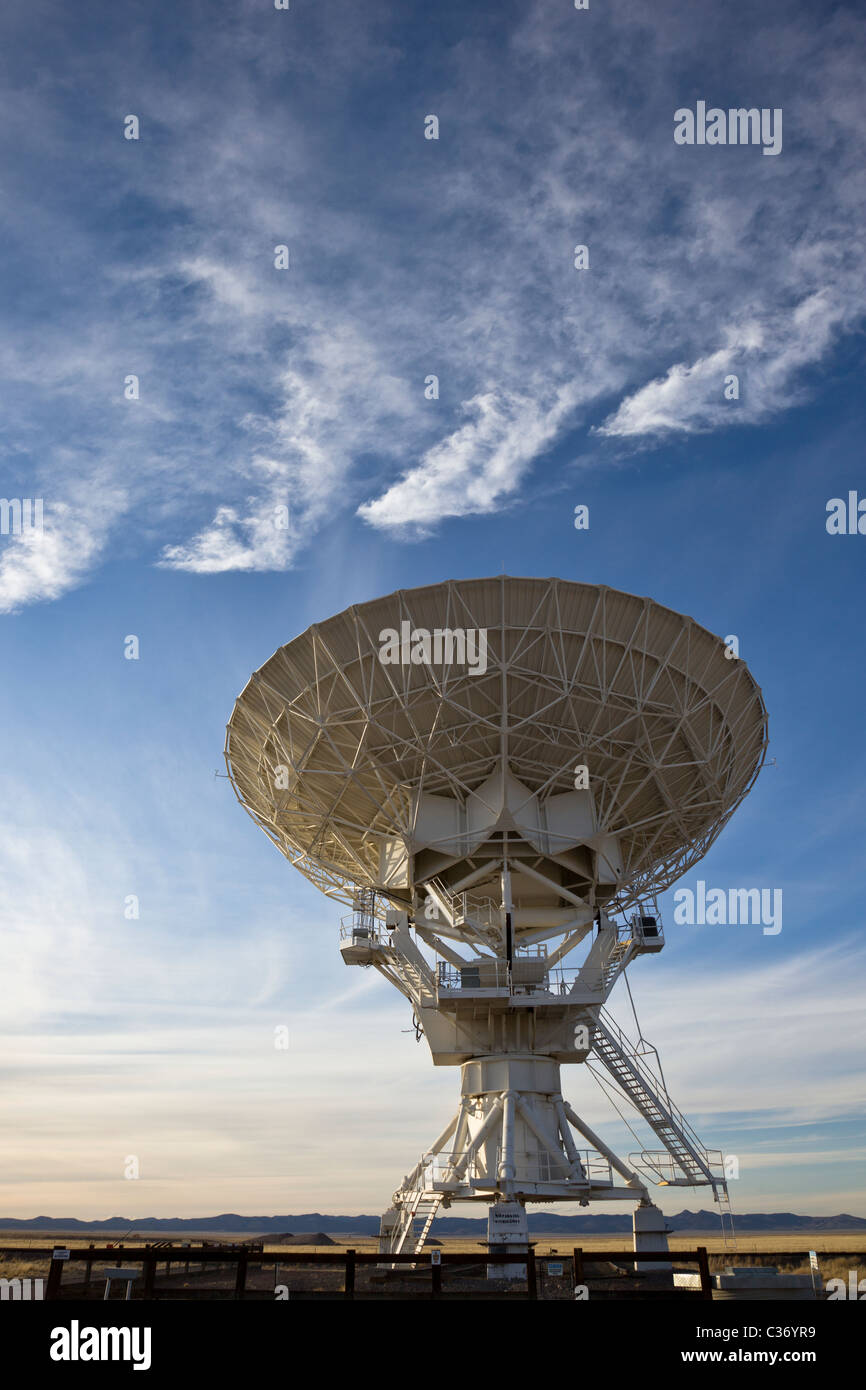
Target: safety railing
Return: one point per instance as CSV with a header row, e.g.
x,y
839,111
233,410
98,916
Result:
x,y
526,975
478,912
654,1081
663,1168
362,932
535,1167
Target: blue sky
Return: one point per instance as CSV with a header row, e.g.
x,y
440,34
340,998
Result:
x,y
305,387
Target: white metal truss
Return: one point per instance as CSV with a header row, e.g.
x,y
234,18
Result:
x,y
329,748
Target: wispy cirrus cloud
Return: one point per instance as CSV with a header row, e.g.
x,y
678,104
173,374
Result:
x,y
475,468
763,356
305,388
708,268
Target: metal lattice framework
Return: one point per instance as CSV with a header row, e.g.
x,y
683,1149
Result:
x,y
330,749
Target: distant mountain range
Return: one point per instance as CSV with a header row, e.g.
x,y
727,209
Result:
x,y
540,1223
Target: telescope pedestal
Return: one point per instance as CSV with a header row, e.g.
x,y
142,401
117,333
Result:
x,y
512,1141
649,1231
507,1234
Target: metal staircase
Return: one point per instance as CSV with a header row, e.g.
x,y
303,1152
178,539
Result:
x,y
648,1094
418,985
425,1213
726,1212
612,950
616,962
416,1217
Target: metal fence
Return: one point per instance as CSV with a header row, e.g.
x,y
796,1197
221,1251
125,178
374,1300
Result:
x,y
240,1259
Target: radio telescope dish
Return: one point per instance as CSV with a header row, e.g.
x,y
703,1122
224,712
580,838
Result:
x,y
377,776
501,767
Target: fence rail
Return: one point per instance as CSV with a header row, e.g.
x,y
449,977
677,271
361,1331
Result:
x,y
149,1256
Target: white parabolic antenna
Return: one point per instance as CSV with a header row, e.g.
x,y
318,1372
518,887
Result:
x,y
492,772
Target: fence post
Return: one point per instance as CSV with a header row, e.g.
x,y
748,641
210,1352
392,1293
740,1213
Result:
x,y
149,1263
88,1268
531,1281
241,1280
706,1280
349,1290
436,1290
55,1274
578,1266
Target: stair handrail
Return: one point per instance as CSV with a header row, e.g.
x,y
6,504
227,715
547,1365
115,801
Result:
x,y
656,1086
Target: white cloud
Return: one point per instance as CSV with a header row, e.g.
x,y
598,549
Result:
x,y
306,386
43,564
764,356
476,467
712,264
261,540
